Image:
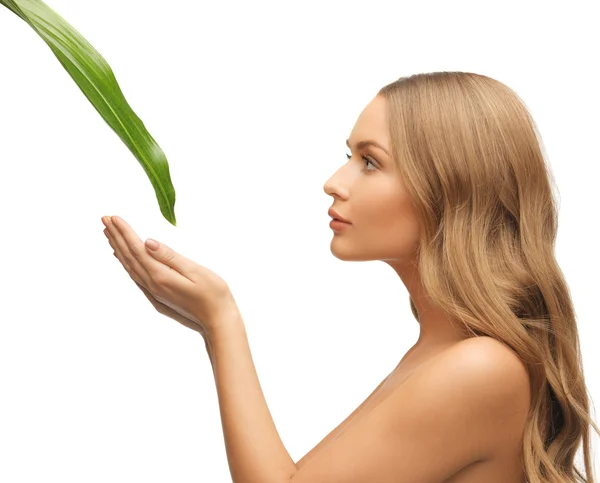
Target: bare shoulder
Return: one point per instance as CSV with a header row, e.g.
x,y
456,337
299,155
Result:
x,y
465,405
491,363
486,365
492,371
484,354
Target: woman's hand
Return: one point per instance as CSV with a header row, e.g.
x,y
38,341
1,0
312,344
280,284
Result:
x,y
169,312
176,286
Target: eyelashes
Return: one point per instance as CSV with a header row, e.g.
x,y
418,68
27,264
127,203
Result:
x,y
367,161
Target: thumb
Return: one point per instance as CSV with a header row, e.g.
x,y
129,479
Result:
x,y
168,256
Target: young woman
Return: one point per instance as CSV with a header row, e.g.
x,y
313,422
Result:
x,y
446,182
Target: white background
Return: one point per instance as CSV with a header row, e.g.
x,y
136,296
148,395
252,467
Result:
x,y
252,103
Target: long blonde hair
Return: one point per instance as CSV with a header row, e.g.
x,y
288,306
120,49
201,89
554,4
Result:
x,y
470,156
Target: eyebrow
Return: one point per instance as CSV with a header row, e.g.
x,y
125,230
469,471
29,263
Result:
x,y
362,144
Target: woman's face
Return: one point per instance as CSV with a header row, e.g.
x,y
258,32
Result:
x,y
372,197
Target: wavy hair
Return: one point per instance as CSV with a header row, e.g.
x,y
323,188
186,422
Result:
x,y
471,158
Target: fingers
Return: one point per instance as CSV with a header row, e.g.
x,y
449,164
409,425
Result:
x,y
131,273
129,262
132,246
119,256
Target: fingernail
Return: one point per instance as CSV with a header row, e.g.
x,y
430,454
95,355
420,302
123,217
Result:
x,y
151,244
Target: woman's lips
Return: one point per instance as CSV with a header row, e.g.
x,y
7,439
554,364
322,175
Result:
x,y
338,225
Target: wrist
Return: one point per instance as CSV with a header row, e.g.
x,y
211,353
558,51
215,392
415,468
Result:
x,y
225,326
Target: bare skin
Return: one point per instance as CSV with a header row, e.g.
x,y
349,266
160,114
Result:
x,y
384,226
384,223
502,463
453,410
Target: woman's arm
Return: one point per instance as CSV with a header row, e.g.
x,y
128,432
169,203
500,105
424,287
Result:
x,y
334,433
255,452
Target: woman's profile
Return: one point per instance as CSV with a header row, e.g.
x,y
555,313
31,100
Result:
x,y
446,182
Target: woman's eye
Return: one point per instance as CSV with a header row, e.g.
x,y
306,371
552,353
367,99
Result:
x,y
366,160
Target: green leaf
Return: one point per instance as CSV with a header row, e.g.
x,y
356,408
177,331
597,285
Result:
x,y
96,80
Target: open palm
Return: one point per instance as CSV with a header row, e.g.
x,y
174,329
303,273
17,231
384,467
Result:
x,y
158,305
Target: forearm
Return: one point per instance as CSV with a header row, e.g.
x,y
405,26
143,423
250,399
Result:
x,y
254,449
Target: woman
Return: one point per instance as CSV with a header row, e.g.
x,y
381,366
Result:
x,y
447,184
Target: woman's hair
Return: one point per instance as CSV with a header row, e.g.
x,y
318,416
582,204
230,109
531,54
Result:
x,y
470,156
